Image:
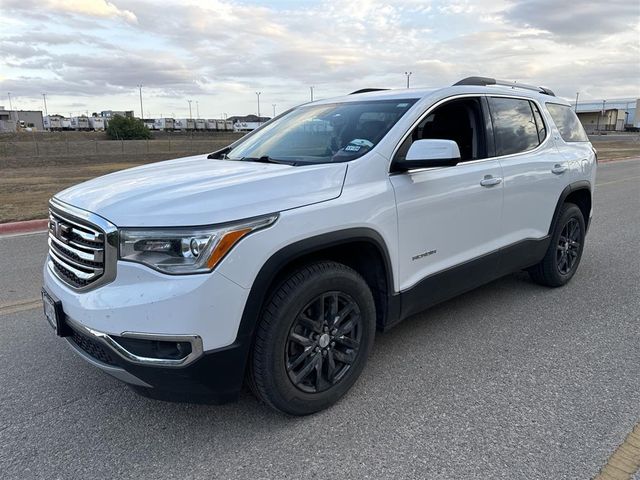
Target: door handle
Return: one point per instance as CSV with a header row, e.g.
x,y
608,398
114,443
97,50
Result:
x,y
490,181
559,169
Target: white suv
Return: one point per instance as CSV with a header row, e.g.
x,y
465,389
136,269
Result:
x,y
278,257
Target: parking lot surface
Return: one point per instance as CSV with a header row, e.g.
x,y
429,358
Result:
x,y
512,381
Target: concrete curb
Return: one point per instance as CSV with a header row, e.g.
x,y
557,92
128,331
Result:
x,y
29,226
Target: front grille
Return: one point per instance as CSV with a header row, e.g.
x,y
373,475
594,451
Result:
x,y
93,347
76,250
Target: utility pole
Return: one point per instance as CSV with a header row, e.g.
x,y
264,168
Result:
x,y
577,95
274,109
197,110
44,96
11,110
258,95
141,109
190,116
408,74
311,89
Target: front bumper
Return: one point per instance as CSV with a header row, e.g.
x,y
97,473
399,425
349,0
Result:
x,y
210,377
202,312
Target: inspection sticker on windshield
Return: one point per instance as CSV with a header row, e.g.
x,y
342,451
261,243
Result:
x,y
402,105
352,148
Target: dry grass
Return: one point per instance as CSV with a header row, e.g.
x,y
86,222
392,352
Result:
x,y
25,191
616,150
27,183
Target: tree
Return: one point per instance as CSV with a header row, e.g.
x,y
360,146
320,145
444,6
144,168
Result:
x,y
127,128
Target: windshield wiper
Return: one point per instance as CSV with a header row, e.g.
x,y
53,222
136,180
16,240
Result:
x,y
265,159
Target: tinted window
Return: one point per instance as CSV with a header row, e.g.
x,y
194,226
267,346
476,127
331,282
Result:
x,y
458,120
514,126
567,122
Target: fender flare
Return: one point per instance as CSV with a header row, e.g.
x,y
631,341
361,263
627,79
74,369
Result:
x,y
274,265
573,187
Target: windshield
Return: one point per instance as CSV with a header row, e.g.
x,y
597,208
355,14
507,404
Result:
x,y
326,133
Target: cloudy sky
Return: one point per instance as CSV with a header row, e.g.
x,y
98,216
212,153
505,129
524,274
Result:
x,y
89,55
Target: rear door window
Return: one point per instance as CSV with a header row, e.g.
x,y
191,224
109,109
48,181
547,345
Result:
x,y
514,126
566,120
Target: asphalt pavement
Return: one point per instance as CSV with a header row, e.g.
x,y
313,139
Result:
x,y
511,381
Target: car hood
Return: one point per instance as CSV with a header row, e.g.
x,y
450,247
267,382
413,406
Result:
x,y
201,191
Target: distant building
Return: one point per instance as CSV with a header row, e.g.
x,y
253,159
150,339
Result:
x,y
609,115
113,113
12,120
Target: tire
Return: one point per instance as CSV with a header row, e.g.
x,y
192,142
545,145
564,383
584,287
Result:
x,y
565,250
298,366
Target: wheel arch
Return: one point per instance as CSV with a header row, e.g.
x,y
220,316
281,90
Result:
x,y
362,249
578,193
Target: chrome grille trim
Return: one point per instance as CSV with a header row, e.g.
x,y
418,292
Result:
x,y
83,247
67,261
96,255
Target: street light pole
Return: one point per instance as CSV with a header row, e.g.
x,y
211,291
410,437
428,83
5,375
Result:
x,y
577,95
141,109
44,97
258,95
190,115
311,90
408,74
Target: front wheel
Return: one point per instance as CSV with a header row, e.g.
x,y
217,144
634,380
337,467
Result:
x,y
314,338
565,250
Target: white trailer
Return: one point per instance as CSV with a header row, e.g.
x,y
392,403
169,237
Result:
x,y
96,124
228,125
200,124
150,123
220,126
185,124
65,124
52,123
79,123
166,124
210,124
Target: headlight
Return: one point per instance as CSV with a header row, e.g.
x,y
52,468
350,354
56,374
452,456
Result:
x,y
185,250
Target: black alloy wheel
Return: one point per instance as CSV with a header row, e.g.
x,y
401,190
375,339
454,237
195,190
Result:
x,y
314,337
568,248
323,342
563,254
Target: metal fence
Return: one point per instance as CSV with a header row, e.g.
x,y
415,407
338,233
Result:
x,y
83,148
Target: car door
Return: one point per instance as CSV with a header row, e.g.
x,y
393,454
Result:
x,y
449,217
533,168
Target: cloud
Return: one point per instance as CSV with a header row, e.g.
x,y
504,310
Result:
x,y
587,19
223,52
89,8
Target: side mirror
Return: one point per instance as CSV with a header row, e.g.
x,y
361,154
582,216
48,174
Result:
x,y
429,153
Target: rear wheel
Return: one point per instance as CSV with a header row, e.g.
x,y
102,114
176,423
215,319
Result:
x,y
565,250
313,339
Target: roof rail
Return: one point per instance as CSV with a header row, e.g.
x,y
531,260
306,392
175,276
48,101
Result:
x,y
484,81
365,90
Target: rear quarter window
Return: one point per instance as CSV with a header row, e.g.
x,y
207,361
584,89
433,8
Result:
x,y
566,120
514,125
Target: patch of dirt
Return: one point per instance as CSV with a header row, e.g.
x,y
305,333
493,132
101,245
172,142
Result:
x,y
27,182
